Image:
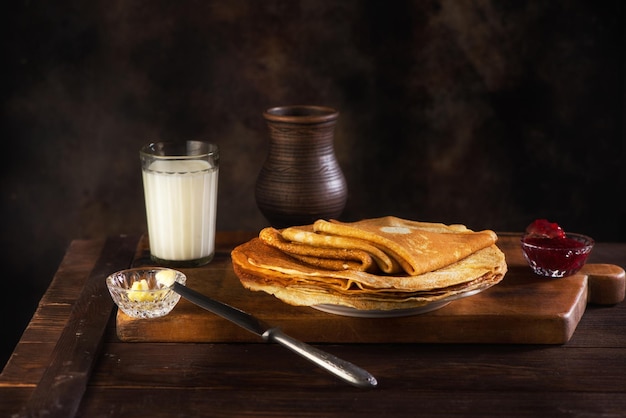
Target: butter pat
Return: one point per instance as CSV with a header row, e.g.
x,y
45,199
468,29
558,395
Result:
x,y
136,292
165,278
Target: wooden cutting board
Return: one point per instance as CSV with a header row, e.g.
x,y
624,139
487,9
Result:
x,y
522,309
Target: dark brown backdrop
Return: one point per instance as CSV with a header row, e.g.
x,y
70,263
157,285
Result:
x,y
486,113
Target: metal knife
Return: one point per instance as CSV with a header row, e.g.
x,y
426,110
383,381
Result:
x,y
343,369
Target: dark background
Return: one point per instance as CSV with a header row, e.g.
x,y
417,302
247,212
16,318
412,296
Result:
x,y
487,113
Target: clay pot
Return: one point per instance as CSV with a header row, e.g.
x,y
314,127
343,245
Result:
x,y
301,181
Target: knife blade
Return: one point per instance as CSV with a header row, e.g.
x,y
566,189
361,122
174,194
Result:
x,y
343,369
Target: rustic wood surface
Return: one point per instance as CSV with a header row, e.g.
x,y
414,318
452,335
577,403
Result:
x,y
522,309
584,377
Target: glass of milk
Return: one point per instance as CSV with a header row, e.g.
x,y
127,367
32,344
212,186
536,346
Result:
x,y
180,189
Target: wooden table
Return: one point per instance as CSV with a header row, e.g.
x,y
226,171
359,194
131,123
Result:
x,y
70,362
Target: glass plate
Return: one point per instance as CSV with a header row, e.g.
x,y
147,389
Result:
x,y
394,313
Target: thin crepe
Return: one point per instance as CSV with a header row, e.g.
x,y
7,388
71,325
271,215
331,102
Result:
x,y
418,247
391,244
264,268
311,248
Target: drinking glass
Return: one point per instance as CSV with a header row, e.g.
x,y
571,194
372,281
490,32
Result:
x,y
180,190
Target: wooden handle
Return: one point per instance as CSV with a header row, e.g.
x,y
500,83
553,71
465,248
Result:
x,y
607,283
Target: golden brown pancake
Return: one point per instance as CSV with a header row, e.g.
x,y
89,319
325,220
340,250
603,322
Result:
x,y
450,260
326,257
418,247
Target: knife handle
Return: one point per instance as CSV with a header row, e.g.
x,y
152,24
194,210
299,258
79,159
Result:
x,y
340,368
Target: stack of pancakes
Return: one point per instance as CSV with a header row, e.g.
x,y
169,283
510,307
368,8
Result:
x,y
374,264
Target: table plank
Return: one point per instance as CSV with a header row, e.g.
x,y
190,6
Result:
x,y
52,312
422,402
28,364
70,277
63,383
400,366
266,380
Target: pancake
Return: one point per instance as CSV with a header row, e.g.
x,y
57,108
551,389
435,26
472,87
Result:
x,y
320,256
418,247
312,295
449,261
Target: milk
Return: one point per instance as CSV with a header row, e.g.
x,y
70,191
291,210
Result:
x,y
181,206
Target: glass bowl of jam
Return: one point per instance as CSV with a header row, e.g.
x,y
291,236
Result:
x,y
558,256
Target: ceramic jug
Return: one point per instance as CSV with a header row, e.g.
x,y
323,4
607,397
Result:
x,y
301,180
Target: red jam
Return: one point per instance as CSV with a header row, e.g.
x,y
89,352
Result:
x,y
546,243
544,228
551,252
